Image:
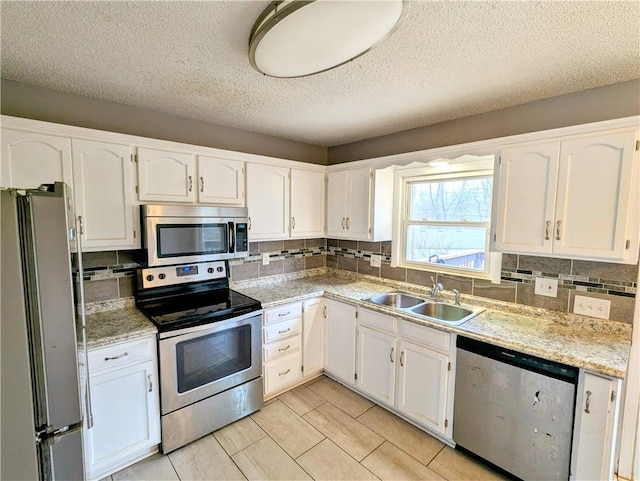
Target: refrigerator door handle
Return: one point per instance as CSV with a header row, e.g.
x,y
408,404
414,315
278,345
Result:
x,y
87,386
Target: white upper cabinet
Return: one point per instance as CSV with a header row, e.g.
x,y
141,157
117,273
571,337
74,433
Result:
x,y
359,204
103,193
220,181
31,159
307,203
267,201
577,198
165,176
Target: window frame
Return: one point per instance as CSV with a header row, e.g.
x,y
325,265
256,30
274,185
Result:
x,y
464,167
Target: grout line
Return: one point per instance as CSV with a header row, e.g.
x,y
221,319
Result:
x,y
174,468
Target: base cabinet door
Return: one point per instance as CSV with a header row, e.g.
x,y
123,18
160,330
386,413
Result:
x,y
597,408
375,364
340,340
125,418
312,337
423,377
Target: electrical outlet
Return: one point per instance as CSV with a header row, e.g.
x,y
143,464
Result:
x,y
592,306
376,260
546,287
265,259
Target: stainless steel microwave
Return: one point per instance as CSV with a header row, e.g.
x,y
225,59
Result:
x,y
178,234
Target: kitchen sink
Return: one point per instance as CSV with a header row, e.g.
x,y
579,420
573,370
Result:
x,y
427,308
448,313
398,300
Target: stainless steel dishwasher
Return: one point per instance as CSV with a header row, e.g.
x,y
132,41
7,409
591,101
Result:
x,y
514,410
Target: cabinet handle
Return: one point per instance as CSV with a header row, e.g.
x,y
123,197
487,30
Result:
x,y
201,184
324,312
587,402
150,383
284,373
402,358
249,221
284,313
284,348
558,224
124,354
293,222
343,219
348,223
391,355
190,183
546,230
286,330
80,225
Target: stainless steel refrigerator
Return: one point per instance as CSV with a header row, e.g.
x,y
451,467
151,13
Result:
x,y
41,415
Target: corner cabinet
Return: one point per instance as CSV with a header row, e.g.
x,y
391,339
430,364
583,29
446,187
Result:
x,y
30,159
576,198
103,193
595,427
125,406
359,204
340,341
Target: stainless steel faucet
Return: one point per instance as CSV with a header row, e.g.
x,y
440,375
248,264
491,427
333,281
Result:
x,y
456,294
435,289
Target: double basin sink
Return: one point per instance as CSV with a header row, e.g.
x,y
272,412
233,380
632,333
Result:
x,y
427,308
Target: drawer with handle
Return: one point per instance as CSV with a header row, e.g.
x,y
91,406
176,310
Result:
x,y
283,313
282,329
273,350
121,354
281,373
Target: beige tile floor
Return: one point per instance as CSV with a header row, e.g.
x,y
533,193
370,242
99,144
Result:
x,y
321,431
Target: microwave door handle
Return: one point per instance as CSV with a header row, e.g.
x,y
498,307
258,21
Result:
x,y
232,238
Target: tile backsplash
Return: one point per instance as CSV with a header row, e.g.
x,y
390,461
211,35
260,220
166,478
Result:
x,y
111,275
614,282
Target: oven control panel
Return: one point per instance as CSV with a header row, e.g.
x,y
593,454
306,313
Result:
x,y
172,275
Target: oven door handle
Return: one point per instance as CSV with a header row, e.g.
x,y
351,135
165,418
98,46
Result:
x,y
232,238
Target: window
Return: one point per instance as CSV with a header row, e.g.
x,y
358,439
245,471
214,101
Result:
x,y
445,217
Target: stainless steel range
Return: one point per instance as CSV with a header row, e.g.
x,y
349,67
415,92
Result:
x,y
209,348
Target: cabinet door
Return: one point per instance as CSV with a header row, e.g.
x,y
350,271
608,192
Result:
x,y
30,159
422,385
340,340
312,334
359,202
268,201
595,425
594,195
165,176
220,181
336,204
526,198
126,417
375,364
307,203
103,192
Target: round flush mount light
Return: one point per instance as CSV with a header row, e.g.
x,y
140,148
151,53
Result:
x,y
295,38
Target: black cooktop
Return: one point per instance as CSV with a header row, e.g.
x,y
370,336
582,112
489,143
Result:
x,y
181,310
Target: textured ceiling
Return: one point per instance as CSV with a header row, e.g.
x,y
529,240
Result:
x,y
446,61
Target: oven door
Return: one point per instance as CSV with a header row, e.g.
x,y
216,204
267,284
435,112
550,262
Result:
x,y
176,240
199,362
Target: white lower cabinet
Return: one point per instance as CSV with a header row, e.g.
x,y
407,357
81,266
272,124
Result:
x,y
340,341
312,337
595,426
125,406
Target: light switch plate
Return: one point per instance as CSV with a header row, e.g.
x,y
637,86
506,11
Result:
x,y
265,259
376,260
546,287
592,306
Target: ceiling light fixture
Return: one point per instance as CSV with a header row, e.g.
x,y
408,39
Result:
x,y
295,38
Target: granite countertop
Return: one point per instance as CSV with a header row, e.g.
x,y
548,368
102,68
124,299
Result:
x,y
592,344
117,325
